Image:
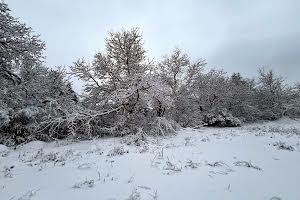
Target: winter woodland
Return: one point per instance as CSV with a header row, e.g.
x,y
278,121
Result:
x,y
125,91
141,127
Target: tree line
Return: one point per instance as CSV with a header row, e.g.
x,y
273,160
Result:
x,y
125,91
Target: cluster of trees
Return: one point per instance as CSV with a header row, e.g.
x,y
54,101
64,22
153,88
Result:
x,y
125,91
30,93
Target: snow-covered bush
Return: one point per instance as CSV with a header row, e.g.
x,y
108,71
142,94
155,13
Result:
x,y
221,119
117,151
139,139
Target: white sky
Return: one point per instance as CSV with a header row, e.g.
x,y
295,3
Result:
x,y
239,35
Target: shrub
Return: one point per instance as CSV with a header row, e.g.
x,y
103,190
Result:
x,y
221,119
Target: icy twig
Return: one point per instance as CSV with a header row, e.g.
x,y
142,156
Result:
x,y
28,195
247,164
84,184
216,164
283,146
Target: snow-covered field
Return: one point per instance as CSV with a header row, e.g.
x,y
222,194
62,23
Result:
x,y
256,161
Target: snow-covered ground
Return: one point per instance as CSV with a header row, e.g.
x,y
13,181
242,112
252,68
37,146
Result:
x,y
256,161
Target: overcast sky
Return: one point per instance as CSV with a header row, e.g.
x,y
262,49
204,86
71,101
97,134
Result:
x,y
236,35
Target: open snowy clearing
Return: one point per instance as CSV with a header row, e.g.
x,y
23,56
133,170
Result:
x,y
257,161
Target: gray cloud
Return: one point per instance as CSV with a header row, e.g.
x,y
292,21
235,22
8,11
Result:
x,y
234,35
278,53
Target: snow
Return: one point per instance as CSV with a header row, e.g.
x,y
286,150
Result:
x,y
3,147
34,145
195,164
